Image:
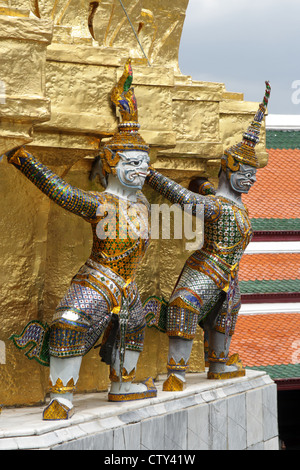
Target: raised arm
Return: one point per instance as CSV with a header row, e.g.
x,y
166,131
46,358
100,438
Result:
x,y
177,194
62,193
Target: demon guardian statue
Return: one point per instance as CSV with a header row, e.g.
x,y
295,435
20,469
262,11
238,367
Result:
x,y
103,296
207,291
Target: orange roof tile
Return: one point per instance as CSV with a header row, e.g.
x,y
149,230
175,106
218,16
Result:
x,y
275,266
268,339
276,194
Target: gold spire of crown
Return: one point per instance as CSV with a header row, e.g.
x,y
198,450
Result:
x,y
123,96
244,151
127,136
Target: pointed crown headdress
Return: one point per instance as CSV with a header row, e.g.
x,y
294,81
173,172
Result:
x,y
127,136
244,152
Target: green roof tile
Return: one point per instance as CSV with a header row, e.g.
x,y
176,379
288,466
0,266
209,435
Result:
x,y
269,286
275,224
280,371
282,139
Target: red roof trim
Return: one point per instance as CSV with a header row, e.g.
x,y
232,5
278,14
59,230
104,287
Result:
x,y
271,297
276,235
288,384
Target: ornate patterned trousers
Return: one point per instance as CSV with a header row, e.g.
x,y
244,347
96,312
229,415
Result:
x,y
197,300
86,310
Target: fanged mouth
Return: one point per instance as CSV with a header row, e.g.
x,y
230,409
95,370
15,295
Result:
x,y
138,173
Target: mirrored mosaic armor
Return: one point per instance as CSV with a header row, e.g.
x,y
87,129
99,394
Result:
x,y
103,295
97,289
207,291
210,270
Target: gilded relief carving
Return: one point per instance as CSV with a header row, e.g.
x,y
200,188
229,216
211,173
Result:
x,y
115,23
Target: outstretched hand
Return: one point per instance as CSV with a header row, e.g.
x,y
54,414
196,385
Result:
x,y
11,152
201,185
195,183
149,169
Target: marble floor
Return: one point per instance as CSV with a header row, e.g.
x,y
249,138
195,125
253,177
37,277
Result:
x,y
23,428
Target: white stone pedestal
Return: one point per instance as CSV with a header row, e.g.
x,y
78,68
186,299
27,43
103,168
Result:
x,y
208,415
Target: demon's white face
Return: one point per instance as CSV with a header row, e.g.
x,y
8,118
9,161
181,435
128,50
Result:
x,y
132,168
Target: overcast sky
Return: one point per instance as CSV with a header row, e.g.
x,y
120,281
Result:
x,y
242,43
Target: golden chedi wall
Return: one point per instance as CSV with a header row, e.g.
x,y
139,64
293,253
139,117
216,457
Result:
x,y
70,54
